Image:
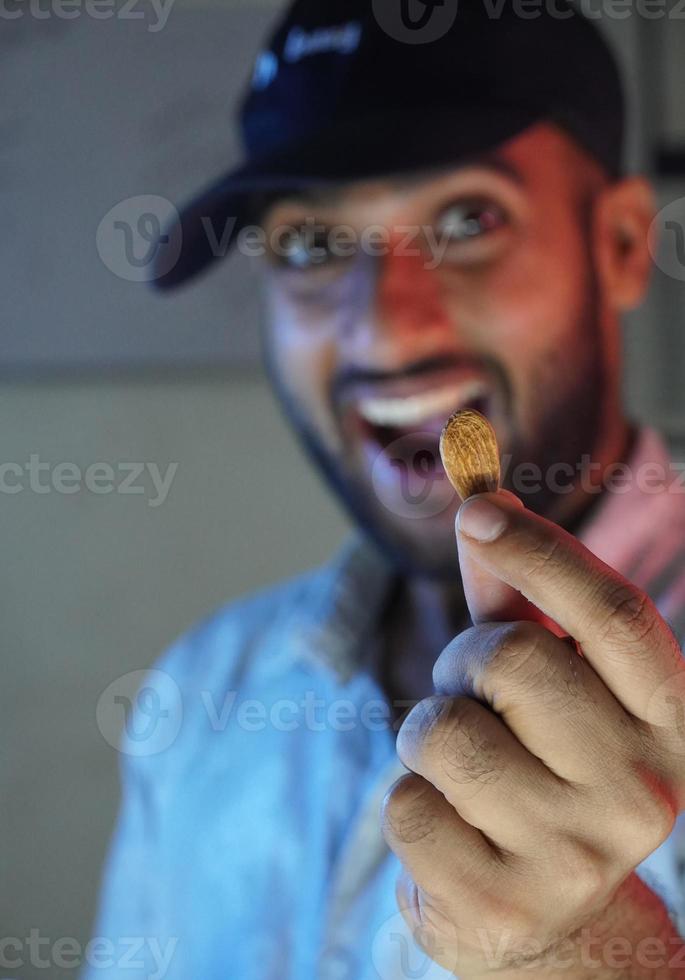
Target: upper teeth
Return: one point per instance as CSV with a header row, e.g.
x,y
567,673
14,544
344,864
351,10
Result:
x,y
418,408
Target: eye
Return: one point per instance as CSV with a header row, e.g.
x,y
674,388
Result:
x,y
303,249
463,221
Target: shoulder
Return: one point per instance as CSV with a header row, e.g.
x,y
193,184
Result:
x,y
223,646
235,649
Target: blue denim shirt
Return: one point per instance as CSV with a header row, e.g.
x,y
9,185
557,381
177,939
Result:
x,y
254,765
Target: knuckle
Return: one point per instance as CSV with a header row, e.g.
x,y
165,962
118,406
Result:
x,y
646,818
448,740
468,754
425,727
408,814
586,878
460,666
521,915
521,652
518,639
453,665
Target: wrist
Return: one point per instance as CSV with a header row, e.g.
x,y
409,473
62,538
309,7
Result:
x,y
633,939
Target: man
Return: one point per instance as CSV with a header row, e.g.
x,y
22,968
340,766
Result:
x,y
447,225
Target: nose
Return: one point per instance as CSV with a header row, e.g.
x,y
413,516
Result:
x,y
406,318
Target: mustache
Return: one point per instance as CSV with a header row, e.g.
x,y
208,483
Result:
x,y
353,375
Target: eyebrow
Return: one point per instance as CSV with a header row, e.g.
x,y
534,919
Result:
x,y
333,193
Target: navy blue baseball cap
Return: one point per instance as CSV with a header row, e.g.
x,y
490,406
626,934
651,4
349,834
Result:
x,y
355,89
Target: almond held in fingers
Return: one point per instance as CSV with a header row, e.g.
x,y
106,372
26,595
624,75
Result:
x,y
468,447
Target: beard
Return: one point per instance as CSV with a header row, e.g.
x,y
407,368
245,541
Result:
x,y
567,413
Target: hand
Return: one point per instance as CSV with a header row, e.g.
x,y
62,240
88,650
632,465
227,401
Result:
x,y
540,778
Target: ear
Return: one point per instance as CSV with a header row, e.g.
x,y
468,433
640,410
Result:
x,y
623,214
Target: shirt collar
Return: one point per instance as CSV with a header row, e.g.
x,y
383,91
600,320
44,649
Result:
x,y
626,519
338,617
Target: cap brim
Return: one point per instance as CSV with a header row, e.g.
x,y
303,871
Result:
x,y
354,150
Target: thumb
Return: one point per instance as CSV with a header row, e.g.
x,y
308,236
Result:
x,y
488,598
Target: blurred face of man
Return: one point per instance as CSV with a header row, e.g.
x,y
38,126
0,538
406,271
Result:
x,y
394,303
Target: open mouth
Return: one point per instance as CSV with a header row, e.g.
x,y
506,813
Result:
x,y
395,427
406,425
391,424
418,417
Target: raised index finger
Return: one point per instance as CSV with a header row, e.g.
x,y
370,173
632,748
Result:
x,y
618,627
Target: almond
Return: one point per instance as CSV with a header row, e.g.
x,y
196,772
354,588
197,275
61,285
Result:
x,y
468,447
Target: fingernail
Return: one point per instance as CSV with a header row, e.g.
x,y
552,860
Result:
x,y
481,520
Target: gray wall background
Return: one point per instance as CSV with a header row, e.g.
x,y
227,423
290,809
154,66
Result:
x,y
95,368
96,586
